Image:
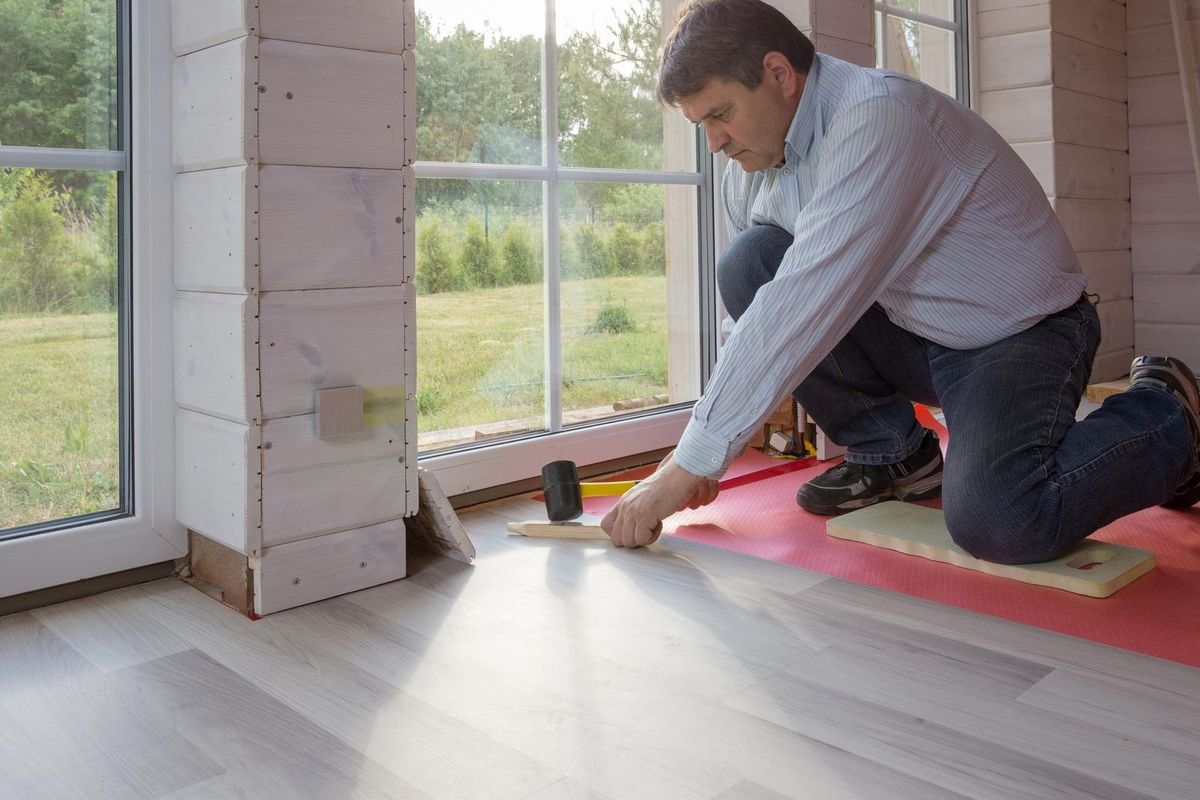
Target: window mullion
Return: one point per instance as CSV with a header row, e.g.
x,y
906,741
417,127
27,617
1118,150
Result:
x,y
62,158
550,212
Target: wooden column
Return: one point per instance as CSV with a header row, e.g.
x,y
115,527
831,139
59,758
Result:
x,y
1051,80
293,261
1166,202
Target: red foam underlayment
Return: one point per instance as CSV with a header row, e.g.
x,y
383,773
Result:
x,y
1158,614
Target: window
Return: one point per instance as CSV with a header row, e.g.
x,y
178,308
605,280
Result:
x,y
65,348
925,39
559,239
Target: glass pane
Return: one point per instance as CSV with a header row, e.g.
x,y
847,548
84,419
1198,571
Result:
x,y
608,65
942,9
480,324
630,309
479,93
922,51
59,345
59,66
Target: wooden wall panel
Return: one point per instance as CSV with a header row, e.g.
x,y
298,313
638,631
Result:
x,y
217,479
1091,121
1020,115
1171,299
1015,60
290,575
214,121
1152,50
1091,172
1143,13
330,107
1116,326
382,25
216,354
1156,100
1039,157
1016,19
326,339
1165,199
1100,22
1110,273
1159,149
1088,68
848,20
854,52
1181,341
216,230
1172,249
332,228
312,486
1095,224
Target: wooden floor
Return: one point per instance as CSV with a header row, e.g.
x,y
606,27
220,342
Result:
x,y
568,670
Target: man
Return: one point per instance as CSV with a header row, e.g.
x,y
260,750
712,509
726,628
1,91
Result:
x,y
890,247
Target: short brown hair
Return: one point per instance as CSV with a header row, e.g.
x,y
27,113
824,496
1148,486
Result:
x,y
726,39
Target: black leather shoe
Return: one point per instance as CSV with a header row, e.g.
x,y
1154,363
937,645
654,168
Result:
x,y
849,486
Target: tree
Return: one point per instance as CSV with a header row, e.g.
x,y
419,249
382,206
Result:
x,y
475,258
36,255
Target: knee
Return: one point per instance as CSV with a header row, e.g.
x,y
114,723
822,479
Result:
x,y
996,529
750,260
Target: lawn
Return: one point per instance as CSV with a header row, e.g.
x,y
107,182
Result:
x,y
481,359
481,353
59,425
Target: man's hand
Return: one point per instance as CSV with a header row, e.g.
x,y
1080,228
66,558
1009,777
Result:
x,y
636,519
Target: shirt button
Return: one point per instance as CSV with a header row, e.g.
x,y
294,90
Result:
x,y
787,172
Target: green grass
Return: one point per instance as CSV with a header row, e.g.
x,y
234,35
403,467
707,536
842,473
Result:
x,y
481,353
59,453
480,360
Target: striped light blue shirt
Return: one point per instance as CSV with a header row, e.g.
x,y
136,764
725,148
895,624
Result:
x,y
895,194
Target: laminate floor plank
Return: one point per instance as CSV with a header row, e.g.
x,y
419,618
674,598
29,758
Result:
x,y
433,751
268,749
99,630
568,670
74,731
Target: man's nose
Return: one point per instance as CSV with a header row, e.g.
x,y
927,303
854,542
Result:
x,y
717,138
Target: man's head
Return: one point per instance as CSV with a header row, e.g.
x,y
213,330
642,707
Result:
x,y
738,68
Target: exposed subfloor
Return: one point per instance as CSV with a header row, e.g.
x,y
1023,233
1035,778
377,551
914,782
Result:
x,y
569,670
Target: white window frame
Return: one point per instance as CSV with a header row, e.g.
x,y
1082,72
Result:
x,y
470,469
149,534
959,27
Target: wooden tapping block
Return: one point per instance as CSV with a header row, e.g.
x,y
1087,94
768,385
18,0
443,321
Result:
x,y
435,524
1097,392
585,527
339,411
1092,568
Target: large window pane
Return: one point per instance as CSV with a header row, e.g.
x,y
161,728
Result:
x,y
480,319
942,9
478,86
608,66
58,62
923,51
629,315
59,344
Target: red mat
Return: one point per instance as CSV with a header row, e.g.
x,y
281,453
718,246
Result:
x,y
1158,614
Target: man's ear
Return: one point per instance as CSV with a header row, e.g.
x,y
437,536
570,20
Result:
x,y
778,70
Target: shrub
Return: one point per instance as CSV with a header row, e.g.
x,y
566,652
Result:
x,y
654,249
591,251
435,265
36,255
475,258
624,251
519,256
612,319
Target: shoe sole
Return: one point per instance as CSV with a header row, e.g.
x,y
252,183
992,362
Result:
x,y
926,489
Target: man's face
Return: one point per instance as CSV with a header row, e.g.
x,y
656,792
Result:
x,y
748,126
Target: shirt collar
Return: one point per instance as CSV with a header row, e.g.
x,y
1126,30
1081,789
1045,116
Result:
x,y
800,135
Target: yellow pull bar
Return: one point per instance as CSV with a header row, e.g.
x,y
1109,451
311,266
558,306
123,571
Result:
x,y
610,489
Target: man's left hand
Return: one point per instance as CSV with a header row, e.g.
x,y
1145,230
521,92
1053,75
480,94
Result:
x,y
636,519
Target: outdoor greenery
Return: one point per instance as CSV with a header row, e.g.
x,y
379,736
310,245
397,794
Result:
x,y
58,256
612,349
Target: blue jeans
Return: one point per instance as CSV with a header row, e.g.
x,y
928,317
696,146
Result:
x,y
1023,480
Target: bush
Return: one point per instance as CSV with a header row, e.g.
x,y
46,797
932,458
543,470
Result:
x,y
519,257
591,251
475,259
612,319
36,255
435,265
654,249
624,251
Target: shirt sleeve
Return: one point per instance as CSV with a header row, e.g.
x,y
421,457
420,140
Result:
x,y
882,191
